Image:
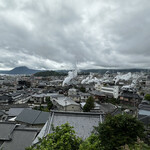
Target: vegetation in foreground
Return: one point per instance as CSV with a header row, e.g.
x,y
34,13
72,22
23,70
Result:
x,y
121,132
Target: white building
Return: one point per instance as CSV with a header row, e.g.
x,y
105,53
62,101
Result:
x,y
114,90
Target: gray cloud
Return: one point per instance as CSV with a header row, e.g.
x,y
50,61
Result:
x,y
54,34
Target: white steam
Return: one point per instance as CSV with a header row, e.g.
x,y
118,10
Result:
x,y
71,75
90,79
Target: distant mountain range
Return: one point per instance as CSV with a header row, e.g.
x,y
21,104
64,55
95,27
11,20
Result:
x,y
102,71
27,71
20,70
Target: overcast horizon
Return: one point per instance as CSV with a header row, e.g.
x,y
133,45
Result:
x,y
56,34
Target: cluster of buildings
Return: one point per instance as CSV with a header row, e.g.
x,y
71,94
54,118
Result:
x,y
23,103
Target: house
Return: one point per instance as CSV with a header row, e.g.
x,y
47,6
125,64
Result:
x,y
104,108
15,96
40,98
84,96
32,117
4,99
75,98
83,123
144,112
98,96
7,107
16,137
129,98
66,104
148,80
13,113
72,92
89,87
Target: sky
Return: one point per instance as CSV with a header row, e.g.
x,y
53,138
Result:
x,y
59,34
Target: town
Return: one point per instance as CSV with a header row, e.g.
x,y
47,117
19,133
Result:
x,y
30,105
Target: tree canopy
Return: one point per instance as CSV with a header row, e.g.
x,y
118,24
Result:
x,y
89,104
49,103
147,97
91,143
119,130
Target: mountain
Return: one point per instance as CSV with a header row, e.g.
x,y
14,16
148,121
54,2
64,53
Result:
x,y
102,71
20,70
26,70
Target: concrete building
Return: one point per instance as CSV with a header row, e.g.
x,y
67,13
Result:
x,y
113,90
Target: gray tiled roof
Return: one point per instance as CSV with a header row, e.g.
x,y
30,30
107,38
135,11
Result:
x,y
30,116
144,118
130,95
42,118
144,107
83,123
7,107
6,130
2,113
21,138
15,111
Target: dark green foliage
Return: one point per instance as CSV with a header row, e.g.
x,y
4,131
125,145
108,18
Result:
x,y
91,143
62,138
119,130
89,104
147,97
49,73
49,103
113,101
82,89
139,145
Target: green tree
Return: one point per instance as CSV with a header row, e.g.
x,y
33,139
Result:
x,y
82,89
62,138
147,97
89,104
91,143
119,130
49,103
139,145
113,101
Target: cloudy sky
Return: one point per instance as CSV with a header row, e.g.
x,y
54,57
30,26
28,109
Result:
x,y
57,34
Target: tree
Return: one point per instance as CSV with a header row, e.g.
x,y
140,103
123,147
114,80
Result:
x,y
113,101
82,89
147,97
89,104
139,145
62,138
91,143
119,130
49,103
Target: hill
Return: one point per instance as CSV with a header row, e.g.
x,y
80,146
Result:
x,y
102,71
20,70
